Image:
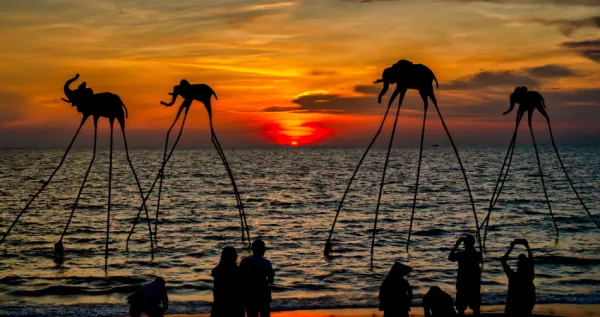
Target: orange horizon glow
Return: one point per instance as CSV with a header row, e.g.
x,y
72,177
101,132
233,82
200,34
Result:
x,y
296,71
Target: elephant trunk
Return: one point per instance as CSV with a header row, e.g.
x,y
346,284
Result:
x,y
175,93
67,88
386,85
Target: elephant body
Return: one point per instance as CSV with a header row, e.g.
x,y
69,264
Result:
x,y
88,103
407,75
528,101
189,93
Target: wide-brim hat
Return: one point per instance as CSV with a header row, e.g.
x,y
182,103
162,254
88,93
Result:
x,y
402,269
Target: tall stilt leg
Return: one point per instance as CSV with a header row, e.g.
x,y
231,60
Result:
x,y
412,216
155,181
137,181
501,180
109,198
537,155
387,157
45,183
162,174
217,145
58,247
567,175
328,247
463,172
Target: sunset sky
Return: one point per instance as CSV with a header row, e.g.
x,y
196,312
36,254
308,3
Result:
x,y
298,70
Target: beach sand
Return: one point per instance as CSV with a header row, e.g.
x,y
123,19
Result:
x,y
540,310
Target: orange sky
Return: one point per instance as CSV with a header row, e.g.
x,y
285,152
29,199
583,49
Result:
x,y
268,59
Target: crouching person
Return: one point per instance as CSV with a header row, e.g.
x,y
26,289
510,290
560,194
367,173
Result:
x,y
150,299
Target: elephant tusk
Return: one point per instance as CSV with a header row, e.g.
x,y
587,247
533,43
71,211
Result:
x,y
65,100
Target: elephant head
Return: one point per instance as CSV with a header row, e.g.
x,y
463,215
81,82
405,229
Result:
x,y
180,89
387,78
517,96
78,97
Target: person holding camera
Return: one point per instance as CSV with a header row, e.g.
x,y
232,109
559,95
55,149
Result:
x,y
468,279
520,299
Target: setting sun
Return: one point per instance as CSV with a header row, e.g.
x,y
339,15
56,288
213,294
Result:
x,y
294,143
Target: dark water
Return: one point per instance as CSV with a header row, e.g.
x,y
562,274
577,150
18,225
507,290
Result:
x,y
290,197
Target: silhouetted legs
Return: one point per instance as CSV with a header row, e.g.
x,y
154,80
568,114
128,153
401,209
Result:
x,y
501,180
327,250
109,196
157,177
58,247
137,181
537,155
461,168
425,102
161,173
45,183
242,213
543,112
387,157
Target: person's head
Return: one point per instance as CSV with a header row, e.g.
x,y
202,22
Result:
x,y
522,262
258,248
228,256
469,241
435,290
160,281
399,270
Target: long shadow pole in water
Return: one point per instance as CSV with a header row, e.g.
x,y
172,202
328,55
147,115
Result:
x,y
45,183
412,216
109,198
328,247
537,155
387,157
463,172
501,180
87,172
567,175
156,179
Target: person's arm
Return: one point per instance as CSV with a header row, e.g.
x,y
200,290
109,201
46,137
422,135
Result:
x,y
271,276
526,244
505,265
452,257
165,300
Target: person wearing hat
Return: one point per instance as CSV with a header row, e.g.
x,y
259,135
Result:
x,y
468,279
395,294
437,303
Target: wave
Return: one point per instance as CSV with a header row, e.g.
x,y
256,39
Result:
x,y
565,260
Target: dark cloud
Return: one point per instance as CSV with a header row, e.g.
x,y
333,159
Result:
x,y
333,103
589,49
367,89
567,27
280,109
322,72
491,79
550,71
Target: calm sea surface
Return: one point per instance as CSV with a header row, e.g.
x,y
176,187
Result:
x,y
290,197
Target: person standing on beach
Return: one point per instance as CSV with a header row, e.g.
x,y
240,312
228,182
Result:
x,y
520,299
258,274
395,294
468,279
227,290
149,298
437,303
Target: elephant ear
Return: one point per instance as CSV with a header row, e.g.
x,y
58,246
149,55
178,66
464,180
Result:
x,y
523,88
82,86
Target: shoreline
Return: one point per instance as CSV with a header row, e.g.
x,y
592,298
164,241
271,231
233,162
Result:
x,y
550,310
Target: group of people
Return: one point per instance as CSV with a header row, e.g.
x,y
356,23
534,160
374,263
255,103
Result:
x,y
244,290
395,294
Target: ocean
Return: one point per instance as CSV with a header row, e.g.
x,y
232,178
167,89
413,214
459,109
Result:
x,y
290,196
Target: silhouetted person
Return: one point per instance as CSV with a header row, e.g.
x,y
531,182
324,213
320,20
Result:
x,y
521,290
257,274
227,290
437,303
468,280
148,299
395,294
